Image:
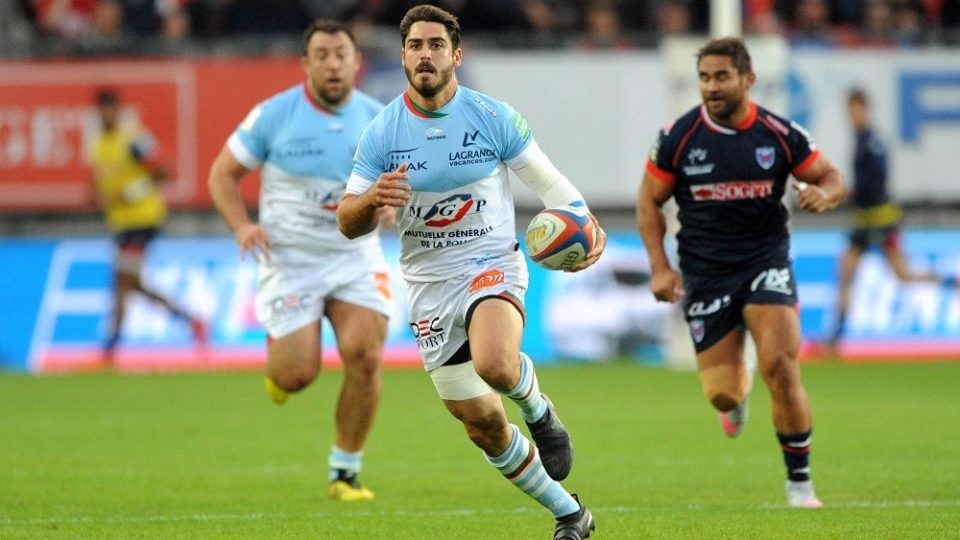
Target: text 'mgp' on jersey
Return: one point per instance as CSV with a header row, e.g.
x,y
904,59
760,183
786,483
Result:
x,y
305,153
460,212
728,184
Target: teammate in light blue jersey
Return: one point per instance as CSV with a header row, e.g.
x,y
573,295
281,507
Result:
x,y
303,140
440,154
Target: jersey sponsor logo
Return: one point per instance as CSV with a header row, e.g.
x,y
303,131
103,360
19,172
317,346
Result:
x,y
449,210
470,139
435,133
732,191
486,279
701,309
471,157
697,330
442,239
693,170
766,155
428,333
396,157
696,157
331,200
299,148
485,106
773,280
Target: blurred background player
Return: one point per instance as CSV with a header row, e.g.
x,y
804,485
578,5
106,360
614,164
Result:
x,y
876,216
303,140
726,162
459,254
126,171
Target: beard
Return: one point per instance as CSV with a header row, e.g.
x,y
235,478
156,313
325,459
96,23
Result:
x,y
334,96
731,108
732,104
429,90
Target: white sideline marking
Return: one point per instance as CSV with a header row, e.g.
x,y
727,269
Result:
x,y
441,513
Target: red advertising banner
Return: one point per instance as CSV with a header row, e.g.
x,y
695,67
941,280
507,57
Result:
x,y
48,120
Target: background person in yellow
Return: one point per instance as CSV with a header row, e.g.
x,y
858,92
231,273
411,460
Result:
x,y
125,173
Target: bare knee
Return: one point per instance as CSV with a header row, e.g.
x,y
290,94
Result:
x,y
486,431
724,400
293,378
362,362
496,370
781,374
291,372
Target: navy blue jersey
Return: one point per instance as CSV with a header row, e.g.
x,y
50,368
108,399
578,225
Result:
x,y
729,184
869,171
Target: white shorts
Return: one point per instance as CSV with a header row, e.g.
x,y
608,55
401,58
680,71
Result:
x,y
437,311
290,297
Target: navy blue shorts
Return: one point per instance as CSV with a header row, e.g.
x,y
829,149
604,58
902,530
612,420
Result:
x,y
886,237
713,305
135,239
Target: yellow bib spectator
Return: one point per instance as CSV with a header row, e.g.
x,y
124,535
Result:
x,y
125,173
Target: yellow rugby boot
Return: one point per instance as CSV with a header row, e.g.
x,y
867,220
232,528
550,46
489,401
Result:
x,y
277,395
348,489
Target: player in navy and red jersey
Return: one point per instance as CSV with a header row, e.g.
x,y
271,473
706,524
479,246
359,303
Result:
x,y
876,216
726,163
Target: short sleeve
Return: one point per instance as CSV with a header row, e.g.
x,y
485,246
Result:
x,y
515,135
250,142
802,149
660,163
370,161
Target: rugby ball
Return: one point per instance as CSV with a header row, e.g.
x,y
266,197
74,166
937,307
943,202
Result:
x,y
558,238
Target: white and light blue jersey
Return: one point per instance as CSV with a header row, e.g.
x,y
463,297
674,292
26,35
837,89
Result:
x,y
461,212
306,154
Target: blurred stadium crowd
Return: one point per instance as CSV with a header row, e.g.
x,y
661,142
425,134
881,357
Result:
x,y
30,28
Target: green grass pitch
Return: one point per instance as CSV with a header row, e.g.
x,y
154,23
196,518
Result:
x,y
206,455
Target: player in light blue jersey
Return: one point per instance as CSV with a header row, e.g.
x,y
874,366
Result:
x,y
303,141
440,154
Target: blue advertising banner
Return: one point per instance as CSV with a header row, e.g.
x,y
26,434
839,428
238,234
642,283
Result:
x,y
886,318
57,298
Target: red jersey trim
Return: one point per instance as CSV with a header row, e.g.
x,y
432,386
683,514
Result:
x,y
717,128
806,163
683,141
660,174
750,119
